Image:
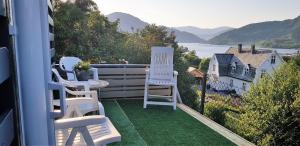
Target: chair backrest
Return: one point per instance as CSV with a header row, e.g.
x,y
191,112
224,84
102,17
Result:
x,y
161,67
67,64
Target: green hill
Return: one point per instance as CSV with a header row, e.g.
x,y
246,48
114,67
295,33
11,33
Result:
x,y
277,34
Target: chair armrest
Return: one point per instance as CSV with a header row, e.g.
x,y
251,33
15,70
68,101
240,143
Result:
x,y
74,84
91,93
95,73
147,70
79,121
175,73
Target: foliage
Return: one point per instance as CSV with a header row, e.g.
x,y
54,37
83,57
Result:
x,y
81,30
204,64
269,115
82,66
192,58
218,106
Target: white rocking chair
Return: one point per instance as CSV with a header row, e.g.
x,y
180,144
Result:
x,y
161,73
67,64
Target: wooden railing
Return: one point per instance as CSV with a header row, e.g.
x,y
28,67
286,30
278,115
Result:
x,y
126,80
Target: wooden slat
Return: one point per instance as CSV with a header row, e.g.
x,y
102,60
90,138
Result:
x,y
7,129
51,36
136,93
4,65
135,71
122,77
111,71
132,82
52,52
50,5
50,20
132,88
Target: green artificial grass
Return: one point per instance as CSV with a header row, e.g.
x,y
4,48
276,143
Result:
x,y
129,134
159,125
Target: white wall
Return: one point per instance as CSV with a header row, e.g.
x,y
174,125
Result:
x,y
213,61
268,66
224,84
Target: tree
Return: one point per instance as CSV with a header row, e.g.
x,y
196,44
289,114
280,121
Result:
x,y
192,58
270,108
81,30
204,64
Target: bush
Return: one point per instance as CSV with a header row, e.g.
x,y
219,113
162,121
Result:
x,y
215,110
269,115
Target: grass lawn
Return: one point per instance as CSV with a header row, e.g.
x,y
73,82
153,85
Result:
x,y
159,125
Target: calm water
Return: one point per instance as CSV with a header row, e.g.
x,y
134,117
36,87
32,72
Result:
x,y
207,50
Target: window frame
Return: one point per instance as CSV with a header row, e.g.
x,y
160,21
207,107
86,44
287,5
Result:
x,y
273,59
244,86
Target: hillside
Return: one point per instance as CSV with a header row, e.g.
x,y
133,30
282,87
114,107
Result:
x,y
277,34
205,33
130,24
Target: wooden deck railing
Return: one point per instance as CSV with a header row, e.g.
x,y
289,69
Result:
x,y
126,80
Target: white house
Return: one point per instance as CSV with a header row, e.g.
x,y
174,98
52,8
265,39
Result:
x,y
237,68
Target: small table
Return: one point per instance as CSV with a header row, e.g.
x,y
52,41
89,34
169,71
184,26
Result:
x,y
96,84
91,84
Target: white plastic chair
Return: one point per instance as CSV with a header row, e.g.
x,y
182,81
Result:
x,y
161,73
76,129
67,64
80,94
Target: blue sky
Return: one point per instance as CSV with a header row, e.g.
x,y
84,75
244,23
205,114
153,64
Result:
x,y
204,13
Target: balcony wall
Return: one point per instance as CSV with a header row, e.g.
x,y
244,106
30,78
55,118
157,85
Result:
x,y
126,81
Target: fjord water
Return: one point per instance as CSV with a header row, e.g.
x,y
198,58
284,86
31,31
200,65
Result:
x,y
207,50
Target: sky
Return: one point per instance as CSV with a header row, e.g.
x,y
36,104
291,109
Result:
x,y
204,13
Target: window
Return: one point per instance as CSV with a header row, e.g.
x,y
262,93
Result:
x,y
214,67
233,67
244,86
263,73
247,69
273,59
231,83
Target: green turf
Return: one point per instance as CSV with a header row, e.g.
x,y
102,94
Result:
x,y
129,134
159,125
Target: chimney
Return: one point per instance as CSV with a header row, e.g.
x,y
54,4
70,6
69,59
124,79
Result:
x,y
253,49
240,48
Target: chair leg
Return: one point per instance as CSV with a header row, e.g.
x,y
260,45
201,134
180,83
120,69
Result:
x,y
145,96
174,97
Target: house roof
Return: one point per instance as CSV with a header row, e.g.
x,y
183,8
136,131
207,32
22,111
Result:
x,y
195,72
247,57
224,58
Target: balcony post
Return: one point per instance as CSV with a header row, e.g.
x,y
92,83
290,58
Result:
x,y
31,62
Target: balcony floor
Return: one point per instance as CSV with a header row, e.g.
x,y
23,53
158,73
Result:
x,y
158,125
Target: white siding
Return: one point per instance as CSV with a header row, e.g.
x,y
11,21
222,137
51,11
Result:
x,y
268,67
210,72
224,84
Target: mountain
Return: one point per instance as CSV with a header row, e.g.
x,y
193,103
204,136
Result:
x,y
277,34
205,33
130,24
